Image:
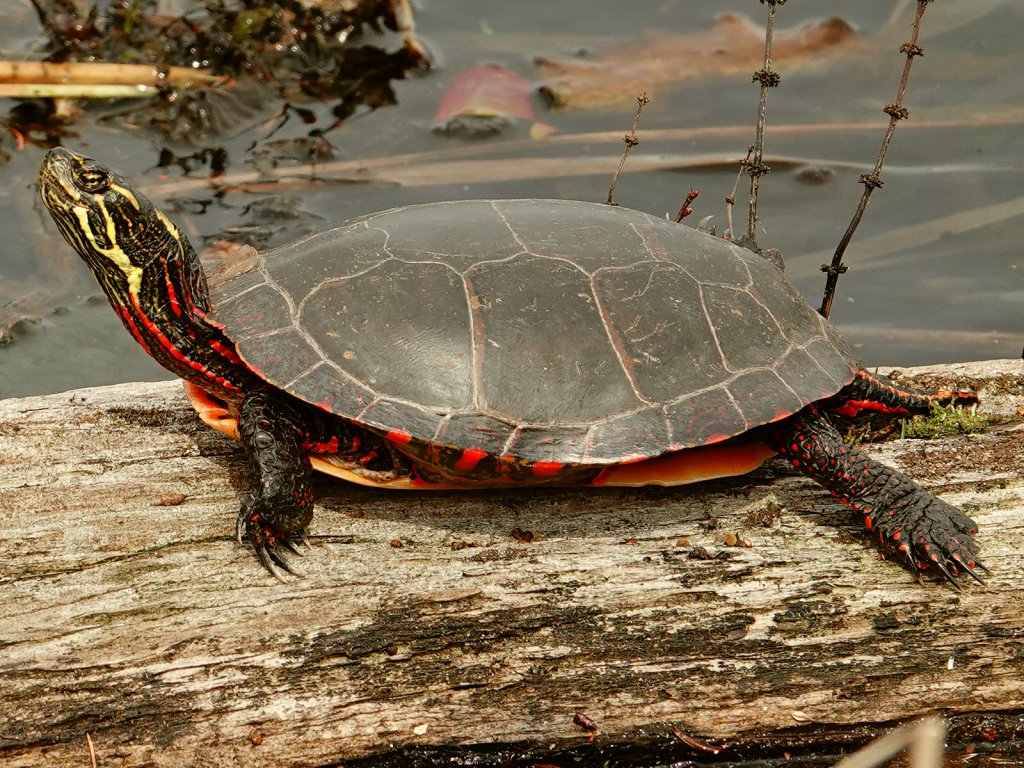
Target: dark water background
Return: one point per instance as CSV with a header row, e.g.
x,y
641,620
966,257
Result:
x,y
936,271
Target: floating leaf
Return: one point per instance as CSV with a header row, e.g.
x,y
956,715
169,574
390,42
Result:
x,y
735,44
486,100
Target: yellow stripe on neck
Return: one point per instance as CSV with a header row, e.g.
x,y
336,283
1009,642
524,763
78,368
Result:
x,y
132,273
171,229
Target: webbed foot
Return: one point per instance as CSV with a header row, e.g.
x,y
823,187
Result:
x,y
930,533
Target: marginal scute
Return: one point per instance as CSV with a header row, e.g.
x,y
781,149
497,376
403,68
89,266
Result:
x,y
390,415
566,332
476,430
257,310
231,290
326,386
629,436
783,302
708,416
763,397
566,445
802,373
829,352
280,356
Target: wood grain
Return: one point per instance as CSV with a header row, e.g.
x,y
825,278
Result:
x,y
130,614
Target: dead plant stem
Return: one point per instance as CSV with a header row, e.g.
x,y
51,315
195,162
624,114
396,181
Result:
x,y
768,79
631,141
873,180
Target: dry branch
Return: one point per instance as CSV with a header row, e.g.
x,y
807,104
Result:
x,y
31,79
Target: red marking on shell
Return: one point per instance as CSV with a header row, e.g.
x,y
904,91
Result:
x,y
397,436
469,459
869,524
547,467
716,437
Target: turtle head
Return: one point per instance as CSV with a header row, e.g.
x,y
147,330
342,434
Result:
x,y
136,253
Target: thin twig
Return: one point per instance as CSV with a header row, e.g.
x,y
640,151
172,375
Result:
x,y
92,751
631,141
730,201
768,79
873,180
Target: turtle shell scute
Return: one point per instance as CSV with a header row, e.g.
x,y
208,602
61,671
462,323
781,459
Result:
x,y
538,330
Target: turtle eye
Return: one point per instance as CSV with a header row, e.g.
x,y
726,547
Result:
x,y
93,179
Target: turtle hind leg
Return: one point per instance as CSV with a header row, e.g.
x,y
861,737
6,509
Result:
x,y
279,504
925,530
868,392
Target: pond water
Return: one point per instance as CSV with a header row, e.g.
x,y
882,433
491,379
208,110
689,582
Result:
x,y
936,272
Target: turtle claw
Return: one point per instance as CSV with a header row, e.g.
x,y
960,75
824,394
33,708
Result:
x,y
292,541
275,562
271,555
971,570
269,545
947,575
942,546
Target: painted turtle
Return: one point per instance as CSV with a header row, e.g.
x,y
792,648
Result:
x,y
502,342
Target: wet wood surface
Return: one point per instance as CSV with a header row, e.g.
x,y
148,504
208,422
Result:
x,y
131,615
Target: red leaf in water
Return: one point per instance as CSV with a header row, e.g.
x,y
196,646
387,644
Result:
x,y
485,100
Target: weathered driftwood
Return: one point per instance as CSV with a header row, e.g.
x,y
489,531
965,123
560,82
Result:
x,y
137,620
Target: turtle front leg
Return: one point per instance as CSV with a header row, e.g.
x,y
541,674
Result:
x,y
279,504
907,518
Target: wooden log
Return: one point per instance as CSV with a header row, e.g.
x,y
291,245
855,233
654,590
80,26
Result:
x,y
131,615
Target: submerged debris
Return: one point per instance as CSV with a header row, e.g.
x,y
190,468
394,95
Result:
x,y
276,49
